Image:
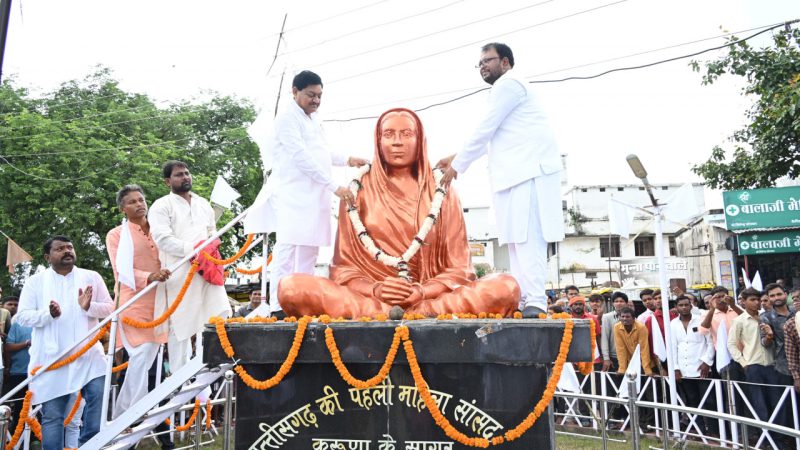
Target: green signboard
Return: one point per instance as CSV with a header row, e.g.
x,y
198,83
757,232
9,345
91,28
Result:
x,y
756,209
766,243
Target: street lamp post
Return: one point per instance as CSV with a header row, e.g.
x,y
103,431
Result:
x,y
640,172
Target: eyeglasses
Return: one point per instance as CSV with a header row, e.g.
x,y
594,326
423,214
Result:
x,y
485,61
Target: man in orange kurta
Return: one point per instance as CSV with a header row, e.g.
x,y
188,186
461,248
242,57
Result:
x,y
134,257
393,202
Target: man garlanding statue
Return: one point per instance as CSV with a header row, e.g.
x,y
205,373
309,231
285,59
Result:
x,y
393,203
524,171
180,221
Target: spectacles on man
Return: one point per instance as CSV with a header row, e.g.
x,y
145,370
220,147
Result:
x,y
485,61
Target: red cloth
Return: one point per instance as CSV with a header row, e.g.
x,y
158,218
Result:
x,y
211,272
596,329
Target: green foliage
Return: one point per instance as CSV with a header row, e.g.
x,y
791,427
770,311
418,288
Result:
x,y
768,147
73,148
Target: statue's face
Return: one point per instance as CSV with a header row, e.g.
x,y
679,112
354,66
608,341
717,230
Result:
x,y
399,141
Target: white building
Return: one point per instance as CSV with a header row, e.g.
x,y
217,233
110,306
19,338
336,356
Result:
x,y
702,242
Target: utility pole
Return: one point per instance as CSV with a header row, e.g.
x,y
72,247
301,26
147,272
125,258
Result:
x,y
5,16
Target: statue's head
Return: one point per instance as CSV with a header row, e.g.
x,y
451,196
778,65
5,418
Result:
x,y
400,140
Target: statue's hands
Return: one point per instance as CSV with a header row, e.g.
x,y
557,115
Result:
x,y
449,173
396,291
345,194
356,162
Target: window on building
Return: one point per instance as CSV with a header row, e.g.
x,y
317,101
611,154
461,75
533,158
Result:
x,y
609,247
602,189
673,246
583,189
620,189
645,246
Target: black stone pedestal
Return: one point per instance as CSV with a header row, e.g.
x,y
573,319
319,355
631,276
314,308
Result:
x,y
485,375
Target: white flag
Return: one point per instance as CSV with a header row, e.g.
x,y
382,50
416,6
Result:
x,y
747,284
757,284
723,356
223,194
659,349
620,218
682,205
568,381
260,132
124,260
635,366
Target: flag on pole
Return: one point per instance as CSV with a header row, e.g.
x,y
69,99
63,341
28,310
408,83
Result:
x,y
747,283
635,366
223,194
568,381
659,348
757,284
15,255
723,356
682,205
620,218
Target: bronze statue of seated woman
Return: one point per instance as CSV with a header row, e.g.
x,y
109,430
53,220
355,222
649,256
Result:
x,y
403,243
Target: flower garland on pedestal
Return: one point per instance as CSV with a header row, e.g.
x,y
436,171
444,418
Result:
x,y
398,262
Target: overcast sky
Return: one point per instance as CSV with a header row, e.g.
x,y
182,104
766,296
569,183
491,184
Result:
x,y
382,54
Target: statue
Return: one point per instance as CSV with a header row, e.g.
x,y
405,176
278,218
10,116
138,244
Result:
x,y
393,203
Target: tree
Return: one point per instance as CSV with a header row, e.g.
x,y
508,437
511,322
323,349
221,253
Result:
x,y
67,153
768,147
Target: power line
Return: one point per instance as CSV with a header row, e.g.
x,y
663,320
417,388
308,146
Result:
x,y
434,33
371,27
98,172
765,29
335,16
92,116
484,40
127,147
77,102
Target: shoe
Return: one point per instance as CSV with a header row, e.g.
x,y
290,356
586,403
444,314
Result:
x,y
280,315
531,312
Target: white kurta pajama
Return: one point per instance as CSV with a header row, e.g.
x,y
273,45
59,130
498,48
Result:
x,y
525,177
299,204
177,226
51,335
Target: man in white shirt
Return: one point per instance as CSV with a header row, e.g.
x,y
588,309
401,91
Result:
x,y
299,205
524,172
180,221
62,304
694,355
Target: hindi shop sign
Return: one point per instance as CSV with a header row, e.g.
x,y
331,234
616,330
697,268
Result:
x,y
768,243
643,272
755,209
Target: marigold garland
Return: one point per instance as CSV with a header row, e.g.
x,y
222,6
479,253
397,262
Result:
x,y
254,271
74,409
239,254
336,357
174,306
73,357
208,414
36,427
251,382
190,421
23,418
586,367
516,432
120,367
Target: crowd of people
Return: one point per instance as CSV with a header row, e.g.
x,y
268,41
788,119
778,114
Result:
x,y
757,329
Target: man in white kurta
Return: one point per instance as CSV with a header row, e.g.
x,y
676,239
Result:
x,y
524,172
178,222
62,304
299,205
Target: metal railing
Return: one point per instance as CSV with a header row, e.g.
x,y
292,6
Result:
x,y
597,406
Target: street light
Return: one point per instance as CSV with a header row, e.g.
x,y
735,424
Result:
x,y
638,169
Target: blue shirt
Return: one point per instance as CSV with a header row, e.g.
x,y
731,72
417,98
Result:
x,y
19,359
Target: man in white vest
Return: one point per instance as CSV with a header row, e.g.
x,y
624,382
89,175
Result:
x,y
180,221
62,304
524,172
300,201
